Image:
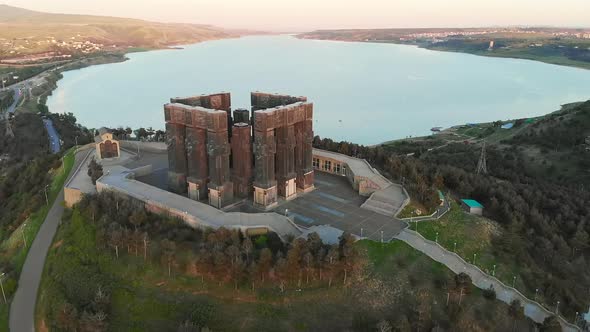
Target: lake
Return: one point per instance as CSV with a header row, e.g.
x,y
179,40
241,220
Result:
x,y
362,92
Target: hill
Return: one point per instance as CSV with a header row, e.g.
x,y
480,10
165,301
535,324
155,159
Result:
x,y
534,195
560,46
24,32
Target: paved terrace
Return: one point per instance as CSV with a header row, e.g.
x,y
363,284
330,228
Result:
x,y
196,214
386,198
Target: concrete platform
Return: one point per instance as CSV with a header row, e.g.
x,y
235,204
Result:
x,y
336,204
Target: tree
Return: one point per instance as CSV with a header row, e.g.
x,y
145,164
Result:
x,y
115,237
550,324
67,317
516,311
94,171
169,249
138,217
247,247
463,281
141,133
264,263
384,326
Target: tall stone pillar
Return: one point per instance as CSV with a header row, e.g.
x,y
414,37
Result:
x,y
218,150
265,185
175,133
304,151
198,165
285,160
241,146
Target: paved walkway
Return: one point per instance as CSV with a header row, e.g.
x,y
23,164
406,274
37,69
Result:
x,y
54,142
504,293
22,308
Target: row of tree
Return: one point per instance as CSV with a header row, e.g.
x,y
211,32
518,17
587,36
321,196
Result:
x,y
224,255
149,134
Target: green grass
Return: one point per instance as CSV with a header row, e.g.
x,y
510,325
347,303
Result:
x,y
33,224
144,298
470,235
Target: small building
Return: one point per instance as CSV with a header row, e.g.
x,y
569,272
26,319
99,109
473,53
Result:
x,y
472,206
441,198
106,146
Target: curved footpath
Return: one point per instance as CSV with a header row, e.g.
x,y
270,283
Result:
x,y
22,308
532,309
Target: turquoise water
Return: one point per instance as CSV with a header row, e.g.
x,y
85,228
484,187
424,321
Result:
x,y
365,93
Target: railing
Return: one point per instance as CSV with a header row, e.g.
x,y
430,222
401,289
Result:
x,y
562,320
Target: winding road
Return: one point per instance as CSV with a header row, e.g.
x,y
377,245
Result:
x,y
22,309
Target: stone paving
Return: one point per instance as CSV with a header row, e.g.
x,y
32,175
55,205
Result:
x,y
504,293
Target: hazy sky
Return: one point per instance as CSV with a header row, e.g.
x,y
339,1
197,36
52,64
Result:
x,y
314,14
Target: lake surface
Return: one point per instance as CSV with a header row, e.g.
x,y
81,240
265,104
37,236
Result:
x,y
362,92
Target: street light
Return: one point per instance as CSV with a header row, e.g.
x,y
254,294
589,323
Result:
x,y
513,281
46,197
474,257
2,286
494,271
23,233
557,308
361,232
381,236
76,140
436,239
455,246
536,292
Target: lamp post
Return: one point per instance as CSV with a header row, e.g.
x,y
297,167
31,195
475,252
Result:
x,y
536,293
381,236
76,140
494,271
557,308
474,257
46,197
361,232
436,238
513,281
23,233
2,286
455,246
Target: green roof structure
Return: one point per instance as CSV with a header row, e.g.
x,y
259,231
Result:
x,y
472,203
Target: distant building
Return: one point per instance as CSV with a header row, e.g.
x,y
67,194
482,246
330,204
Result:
x,y
472,206
106,146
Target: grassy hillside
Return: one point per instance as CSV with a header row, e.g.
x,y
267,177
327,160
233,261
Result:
x,y
86,284
560,46
26,32
535,193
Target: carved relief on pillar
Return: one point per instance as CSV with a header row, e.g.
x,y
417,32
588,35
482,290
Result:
x,y
241,147
264,163
197,161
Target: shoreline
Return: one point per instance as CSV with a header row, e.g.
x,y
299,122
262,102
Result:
x,y
573,64
124,58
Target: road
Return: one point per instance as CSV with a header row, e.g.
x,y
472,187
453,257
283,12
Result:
x,y
17,96
54,142
532,309
22,309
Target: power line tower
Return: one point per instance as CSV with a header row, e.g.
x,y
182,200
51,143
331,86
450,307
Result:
x,y
482,165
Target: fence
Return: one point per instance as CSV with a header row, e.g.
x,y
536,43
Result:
x,y
523,299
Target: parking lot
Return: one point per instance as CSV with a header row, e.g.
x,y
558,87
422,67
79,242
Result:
x,y
335,203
